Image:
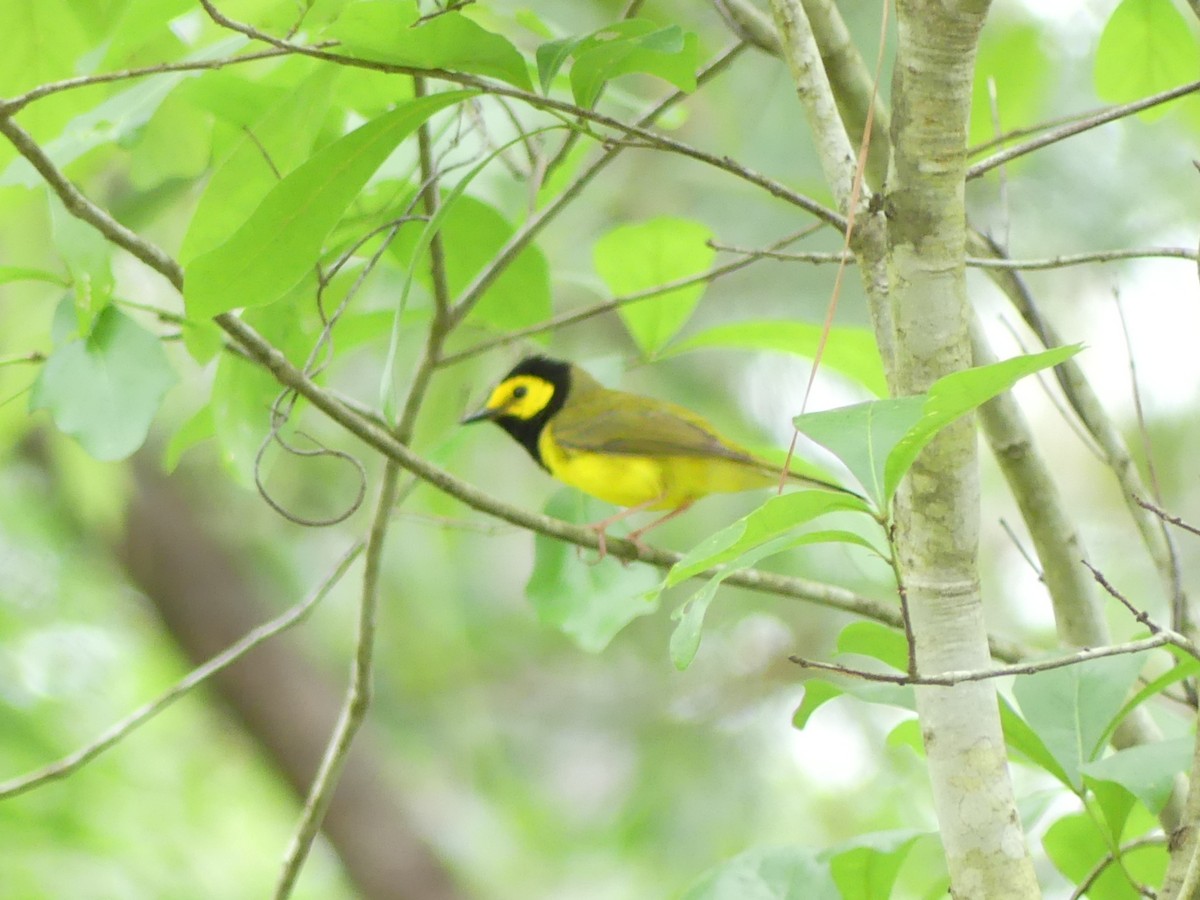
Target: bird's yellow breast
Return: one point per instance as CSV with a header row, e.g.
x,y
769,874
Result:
x,y
629,480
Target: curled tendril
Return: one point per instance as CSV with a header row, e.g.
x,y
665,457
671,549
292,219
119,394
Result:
x,y
280,412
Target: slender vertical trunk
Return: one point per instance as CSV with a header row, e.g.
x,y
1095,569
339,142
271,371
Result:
x,y
937,509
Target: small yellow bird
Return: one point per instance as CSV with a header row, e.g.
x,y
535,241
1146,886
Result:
x,y
626,449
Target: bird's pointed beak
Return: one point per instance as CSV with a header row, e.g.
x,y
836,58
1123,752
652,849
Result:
x,y
480,416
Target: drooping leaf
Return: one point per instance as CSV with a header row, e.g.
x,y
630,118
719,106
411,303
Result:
x,y
1147,771
1070,708
775,517
105,389
863,435
685,639
849,351
588,603
634,258
390,31
282,239
1022,738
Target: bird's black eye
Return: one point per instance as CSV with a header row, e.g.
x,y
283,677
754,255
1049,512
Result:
x,y
519,391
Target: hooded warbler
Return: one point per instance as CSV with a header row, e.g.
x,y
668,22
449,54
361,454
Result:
x,y
626,449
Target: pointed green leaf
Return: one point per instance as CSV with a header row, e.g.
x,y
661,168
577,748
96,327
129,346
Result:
x,y
550,58
390,31
105,390
773,518
851,352
863,435
880,440
281,241
635,258
959,393
1147,771
1020,737
633,45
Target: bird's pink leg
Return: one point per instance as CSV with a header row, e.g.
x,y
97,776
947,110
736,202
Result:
x,y
635,536
602,526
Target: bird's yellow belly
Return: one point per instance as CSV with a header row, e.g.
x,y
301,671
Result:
x,y
626,480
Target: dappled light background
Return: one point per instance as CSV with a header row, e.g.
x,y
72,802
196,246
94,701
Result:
x,y
532,760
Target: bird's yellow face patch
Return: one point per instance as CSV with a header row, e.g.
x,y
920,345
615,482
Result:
x,y
522,396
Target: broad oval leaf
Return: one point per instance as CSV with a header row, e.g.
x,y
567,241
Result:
x,y
636,258
1146,47
105,390
634,45
282,239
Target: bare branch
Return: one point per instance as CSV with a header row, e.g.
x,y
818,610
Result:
x,y
1086,123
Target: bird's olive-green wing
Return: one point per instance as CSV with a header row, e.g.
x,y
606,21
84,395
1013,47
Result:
x,y
607,421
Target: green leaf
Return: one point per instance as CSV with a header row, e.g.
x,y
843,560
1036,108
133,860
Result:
x,y
773,518
1146,47
550,58
877,641
685,639
776,873
1147,771
275,133
633,45
848,351
472,233
957,394
866,867
388,31
588,603
113,120
281,241
88,258
907,734
1076,845
200,427
880,440
863,435
817,692
1186,666
1026,741
635,258
1070,708
104,391
1115,802
1013,58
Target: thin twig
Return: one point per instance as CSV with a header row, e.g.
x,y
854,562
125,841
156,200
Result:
x,y
1139,614
1166,516
949,679
117,732
1086,123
